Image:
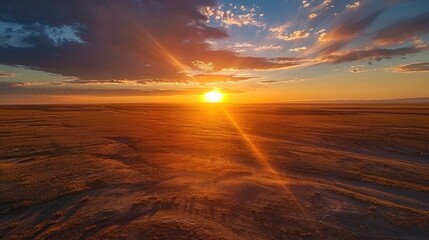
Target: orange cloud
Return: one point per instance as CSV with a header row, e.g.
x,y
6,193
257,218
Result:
x,y
411,68
298,34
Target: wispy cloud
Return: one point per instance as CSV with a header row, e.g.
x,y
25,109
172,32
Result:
x,y
296,35
298,49
7,75
289,80
376,54
267,47
411,68
21,88
345,31
404,30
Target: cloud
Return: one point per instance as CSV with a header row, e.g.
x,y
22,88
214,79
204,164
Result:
x,y
313,15
207,78
336,45
326,4
372,54
148,40
279,29
20,88
269,82
14,84
102,82
357,69
7,75
296,35
411,68
167,41
242,44
235,16
290,80
293,61
352,26
199,78
344,32
402,31
226,60
268,47
241,47
298,49
321,33
354,5
119,40
203,66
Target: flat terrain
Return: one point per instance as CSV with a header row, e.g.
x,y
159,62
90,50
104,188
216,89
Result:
x,y
213,171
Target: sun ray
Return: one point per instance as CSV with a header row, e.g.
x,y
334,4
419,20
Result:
x,y
145,38
264,163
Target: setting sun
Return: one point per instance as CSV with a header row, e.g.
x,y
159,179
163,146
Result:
x,y
213,96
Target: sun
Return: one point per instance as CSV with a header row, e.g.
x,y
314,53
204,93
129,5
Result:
x,y
213,96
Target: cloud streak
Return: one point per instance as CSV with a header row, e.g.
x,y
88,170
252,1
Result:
x,y
404,30
376,54
22,88
7,75
412,68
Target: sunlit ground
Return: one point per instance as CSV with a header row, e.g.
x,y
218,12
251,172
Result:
x,y
214,171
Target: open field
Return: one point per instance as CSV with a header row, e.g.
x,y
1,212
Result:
x,y
213,171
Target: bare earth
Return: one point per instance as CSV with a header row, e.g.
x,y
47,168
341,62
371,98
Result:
x,y
210,171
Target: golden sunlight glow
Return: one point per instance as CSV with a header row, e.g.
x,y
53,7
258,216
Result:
x,y
213,96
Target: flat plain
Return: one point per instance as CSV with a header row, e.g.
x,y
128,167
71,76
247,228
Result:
x,y
214,171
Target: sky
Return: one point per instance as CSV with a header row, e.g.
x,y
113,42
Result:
x,y
57,51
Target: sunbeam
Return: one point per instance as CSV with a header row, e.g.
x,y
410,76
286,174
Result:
x,y
266,166
262,160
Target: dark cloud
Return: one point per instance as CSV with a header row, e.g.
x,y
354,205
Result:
x,y
376,54
404,30
129,39
266,82
5,85
228,60
269,81
22,88
207,78
107,81
413,67
7,75
200,78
